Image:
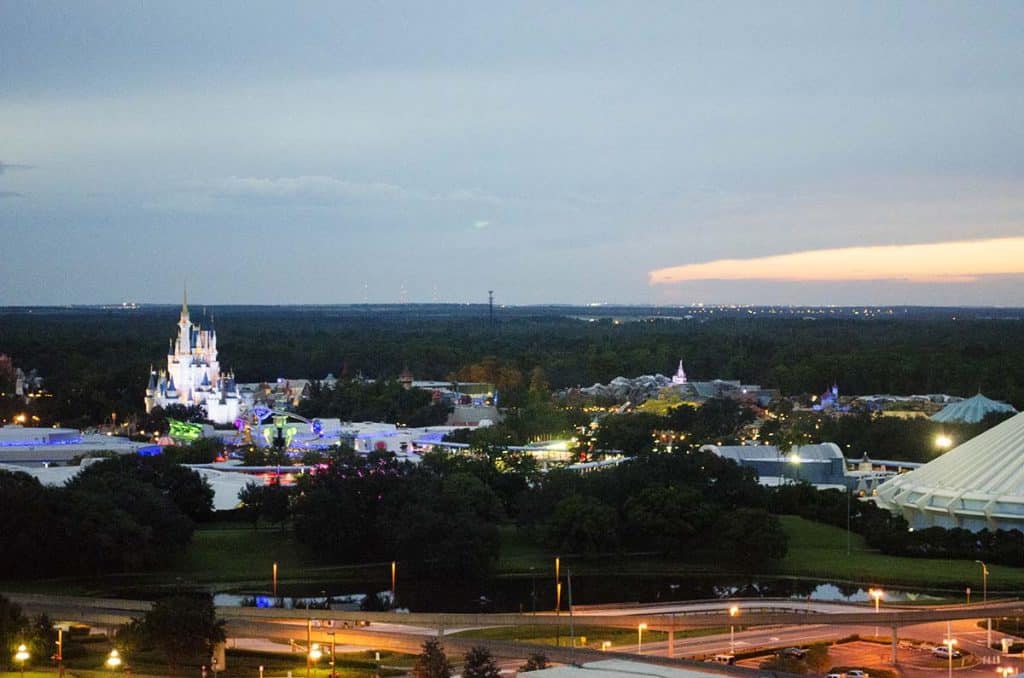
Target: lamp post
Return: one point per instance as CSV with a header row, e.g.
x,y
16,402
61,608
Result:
x,y
113,660
949,643
22,656
331,634
734,611
558,586
275,578
984,599
640,637
794,459
984,581
605,645
877,595
315,654
1005,671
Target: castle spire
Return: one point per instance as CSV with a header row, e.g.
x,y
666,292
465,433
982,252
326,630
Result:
x,y
184,302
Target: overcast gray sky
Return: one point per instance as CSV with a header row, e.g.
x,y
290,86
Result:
x,y
552,151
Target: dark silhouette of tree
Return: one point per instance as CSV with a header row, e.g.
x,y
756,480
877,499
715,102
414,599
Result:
x,y
432,662
183,627
536,662
480,664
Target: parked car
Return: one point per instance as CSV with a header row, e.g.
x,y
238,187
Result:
x,y
857,673
794,652
723,659
835,675
942,652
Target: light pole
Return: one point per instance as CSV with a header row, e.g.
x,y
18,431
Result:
x,y
22,656
315,654
984,581
949,643
734,611
877,595
275,578
640,637
984,599
331,634
113,660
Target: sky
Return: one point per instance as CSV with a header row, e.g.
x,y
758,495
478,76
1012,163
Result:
x,y
554,152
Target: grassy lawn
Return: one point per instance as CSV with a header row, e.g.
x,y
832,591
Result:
x,y
817,550
545,635
240,663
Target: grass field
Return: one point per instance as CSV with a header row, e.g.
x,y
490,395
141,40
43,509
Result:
x,y
817,550
236,557
594,636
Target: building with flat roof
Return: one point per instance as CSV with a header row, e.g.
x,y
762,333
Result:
x,y
37,446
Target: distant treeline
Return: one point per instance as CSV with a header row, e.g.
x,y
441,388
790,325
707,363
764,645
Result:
x,y
95,362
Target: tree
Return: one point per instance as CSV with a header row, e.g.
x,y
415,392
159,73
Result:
x,y
750,536
432,662
13,626
183,627
536,662
252,497
582,524
183,486
480,664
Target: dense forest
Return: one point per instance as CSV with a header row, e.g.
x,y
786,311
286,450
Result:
x,y
95,361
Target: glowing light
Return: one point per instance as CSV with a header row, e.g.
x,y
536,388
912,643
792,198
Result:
x,y
943,441
956,261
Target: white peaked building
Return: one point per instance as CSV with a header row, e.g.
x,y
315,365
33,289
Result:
x,y
976,485
193,375
679,378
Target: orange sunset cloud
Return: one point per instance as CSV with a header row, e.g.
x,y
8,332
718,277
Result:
x,y
957,261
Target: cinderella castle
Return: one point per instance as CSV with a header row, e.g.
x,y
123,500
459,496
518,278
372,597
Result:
x,y
193,375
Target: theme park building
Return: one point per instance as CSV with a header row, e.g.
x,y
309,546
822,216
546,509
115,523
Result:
x,y
193,375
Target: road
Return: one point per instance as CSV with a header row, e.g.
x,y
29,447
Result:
x,y
771,624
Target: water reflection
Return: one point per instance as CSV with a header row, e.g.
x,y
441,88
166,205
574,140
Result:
x,y
535,593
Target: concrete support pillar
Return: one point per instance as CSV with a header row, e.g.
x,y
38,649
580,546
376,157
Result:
x,y
671,642
895,642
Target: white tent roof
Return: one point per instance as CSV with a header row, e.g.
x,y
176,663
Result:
x,y
976,485
971,411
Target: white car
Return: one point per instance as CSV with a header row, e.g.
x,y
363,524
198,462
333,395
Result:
x,y
857,673
942,652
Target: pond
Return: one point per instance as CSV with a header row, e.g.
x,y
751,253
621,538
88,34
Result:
x,y
536,593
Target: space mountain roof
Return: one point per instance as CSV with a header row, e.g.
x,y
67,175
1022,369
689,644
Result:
x,y
971,410
979,484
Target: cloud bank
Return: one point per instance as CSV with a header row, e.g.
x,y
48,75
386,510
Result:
x,y
956,261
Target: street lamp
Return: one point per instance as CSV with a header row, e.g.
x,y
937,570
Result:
x,y
877,595
605,644
315,654
734,611
22,656
984,581
640,637
1005,671
943,441
794,459
331,634
113,660
949,643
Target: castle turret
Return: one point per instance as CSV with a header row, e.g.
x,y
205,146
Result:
x,y
679,378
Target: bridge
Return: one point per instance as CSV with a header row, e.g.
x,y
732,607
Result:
x,y
405,632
